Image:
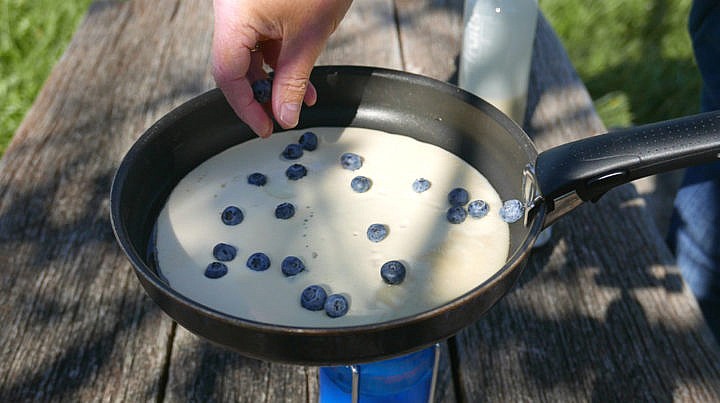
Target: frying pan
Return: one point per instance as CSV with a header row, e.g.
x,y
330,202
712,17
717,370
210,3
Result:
x,y
551,184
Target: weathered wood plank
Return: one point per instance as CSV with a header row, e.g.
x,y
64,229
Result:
x,y
201,371
601,313
431,35
74,318
76,325
366,36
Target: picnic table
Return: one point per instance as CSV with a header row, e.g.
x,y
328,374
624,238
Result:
x,y
601,313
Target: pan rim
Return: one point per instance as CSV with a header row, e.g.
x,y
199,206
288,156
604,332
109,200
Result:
x,y
148,275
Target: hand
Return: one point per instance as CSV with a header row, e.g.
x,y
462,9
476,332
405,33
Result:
x,y
290,35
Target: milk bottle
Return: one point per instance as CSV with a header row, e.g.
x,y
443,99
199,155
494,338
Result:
x,y
496,50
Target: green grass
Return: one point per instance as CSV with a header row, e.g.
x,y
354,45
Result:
x,y
634,55
33,36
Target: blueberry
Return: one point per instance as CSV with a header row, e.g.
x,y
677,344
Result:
x,y
262,90
232,215
295,172
478,209
512,210
284,211
224,252
309,141
216,270
258,262
360,184
351,161
377,232
458,197
420,185
336,306
456,214
257,179
393,272
292,151
291,266
313,298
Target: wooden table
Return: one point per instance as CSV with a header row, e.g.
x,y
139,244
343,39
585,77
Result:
x,y
601,313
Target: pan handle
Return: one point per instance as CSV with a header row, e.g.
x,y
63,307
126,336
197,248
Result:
x,y
588,168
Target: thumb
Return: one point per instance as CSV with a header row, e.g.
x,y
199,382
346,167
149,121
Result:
x,y
291,79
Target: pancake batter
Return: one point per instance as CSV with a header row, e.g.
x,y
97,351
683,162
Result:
x,y
328,231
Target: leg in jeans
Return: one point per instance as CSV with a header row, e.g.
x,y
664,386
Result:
x,y
695,228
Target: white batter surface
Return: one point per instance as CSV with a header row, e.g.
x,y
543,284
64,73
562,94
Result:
x,y
328,231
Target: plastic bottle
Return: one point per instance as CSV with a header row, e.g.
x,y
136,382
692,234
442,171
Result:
x,y
496,51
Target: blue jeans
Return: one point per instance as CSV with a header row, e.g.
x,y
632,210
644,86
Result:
x,y
695,227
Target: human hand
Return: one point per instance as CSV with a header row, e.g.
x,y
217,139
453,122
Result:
x,y
290,35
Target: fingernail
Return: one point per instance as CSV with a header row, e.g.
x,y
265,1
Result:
x,y
289,114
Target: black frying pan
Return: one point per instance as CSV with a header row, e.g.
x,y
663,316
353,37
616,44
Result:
x,y
551,184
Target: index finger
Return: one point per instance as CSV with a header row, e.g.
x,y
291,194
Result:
x,y
232,65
